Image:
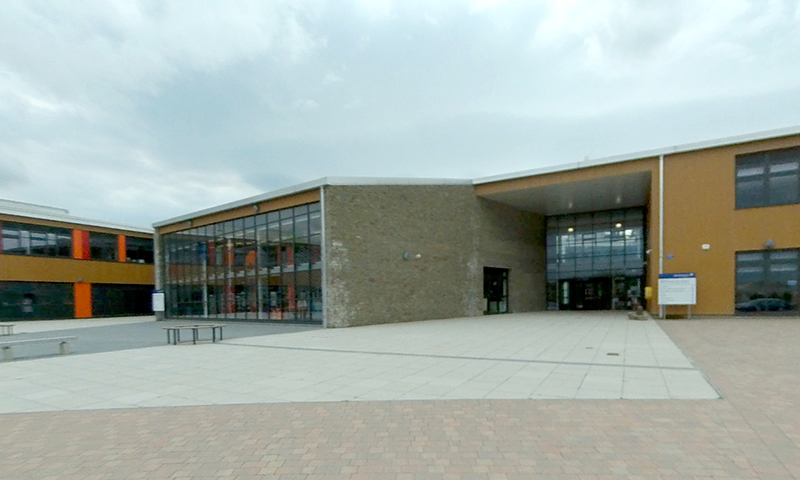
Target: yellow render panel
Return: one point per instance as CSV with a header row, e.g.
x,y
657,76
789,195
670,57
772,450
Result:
x,y
43,269
755,226
700,208
567,176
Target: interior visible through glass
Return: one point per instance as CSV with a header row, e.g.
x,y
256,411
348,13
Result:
x,y
264,267
595,260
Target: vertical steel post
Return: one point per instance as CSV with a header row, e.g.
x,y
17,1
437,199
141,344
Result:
x,y
158,267
661,309
323,257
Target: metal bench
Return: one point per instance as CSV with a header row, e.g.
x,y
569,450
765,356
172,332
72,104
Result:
x,y
176,332
6,328
8,347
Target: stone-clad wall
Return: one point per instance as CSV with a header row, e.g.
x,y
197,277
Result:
x,y
368,228
449,234
514,239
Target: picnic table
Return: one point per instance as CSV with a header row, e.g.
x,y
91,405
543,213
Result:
x,y
175,337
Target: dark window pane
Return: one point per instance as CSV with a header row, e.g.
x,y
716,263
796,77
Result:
x,y
767,282
768,178
103,246
139,250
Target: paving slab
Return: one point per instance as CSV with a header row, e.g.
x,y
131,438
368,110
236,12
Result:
x,y
504,357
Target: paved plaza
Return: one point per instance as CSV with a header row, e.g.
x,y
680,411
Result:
x,y
546,395
523,356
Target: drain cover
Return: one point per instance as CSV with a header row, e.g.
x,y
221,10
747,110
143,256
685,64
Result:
x,y
613,354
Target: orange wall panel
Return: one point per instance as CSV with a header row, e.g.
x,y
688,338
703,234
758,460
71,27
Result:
x,y
83,300
77,244
122,248
80,244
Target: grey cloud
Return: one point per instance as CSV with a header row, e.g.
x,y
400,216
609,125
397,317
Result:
x,y
168,109
12,176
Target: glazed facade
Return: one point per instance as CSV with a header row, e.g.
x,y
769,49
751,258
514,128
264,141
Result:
x,y
260,267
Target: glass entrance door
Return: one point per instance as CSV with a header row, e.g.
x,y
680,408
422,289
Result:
x,y
595,260
588,294
627,293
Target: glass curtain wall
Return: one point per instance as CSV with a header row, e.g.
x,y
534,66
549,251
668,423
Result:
x,y
264,267
595,260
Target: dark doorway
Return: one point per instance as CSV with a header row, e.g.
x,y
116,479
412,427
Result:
x,y
589,294
495,290
603,293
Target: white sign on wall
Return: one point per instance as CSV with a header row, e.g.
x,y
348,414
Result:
x,y
677,289
158,301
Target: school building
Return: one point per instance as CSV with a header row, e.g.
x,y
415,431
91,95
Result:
x,y
593,235
54,265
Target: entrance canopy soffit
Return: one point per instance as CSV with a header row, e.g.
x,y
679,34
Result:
x,y
605,193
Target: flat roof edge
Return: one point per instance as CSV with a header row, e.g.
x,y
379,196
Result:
x,y
311,185
76,220
683,148
263,197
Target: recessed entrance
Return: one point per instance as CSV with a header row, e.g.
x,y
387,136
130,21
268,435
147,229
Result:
x,y
596,260
605,293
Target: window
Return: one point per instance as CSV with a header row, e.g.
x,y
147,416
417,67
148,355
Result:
x,y
769,178
767,281
262,267
590,255
138,250
36,240
103,246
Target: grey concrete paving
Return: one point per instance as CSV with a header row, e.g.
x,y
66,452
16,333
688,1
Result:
x,y
523,356
113,334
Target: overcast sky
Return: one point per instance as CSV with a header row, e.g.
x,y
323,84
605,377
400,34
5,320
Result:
x,y
136,112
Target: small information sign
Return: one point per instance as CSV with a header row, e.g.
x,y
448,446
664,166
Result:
x,y
158,301
677,289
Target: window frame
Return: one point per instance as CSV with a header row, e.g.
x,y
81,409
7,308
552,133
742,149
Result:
x,y
53,242
766,160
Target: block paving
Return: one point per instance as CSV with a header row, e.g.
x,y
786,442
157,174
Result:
x,y
753,431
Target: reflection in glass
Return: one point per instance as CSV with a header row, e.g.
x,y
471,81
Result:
x,y
263,267
38,240
768,178
595,260
767,282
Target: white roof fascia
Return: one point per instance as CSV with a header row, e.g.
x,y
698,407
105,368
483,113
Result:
x,y
314,184
75,220
31,207
688,147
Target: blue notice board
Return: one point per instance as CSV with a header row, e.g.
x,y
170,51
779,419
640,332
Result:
x,y
677,289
